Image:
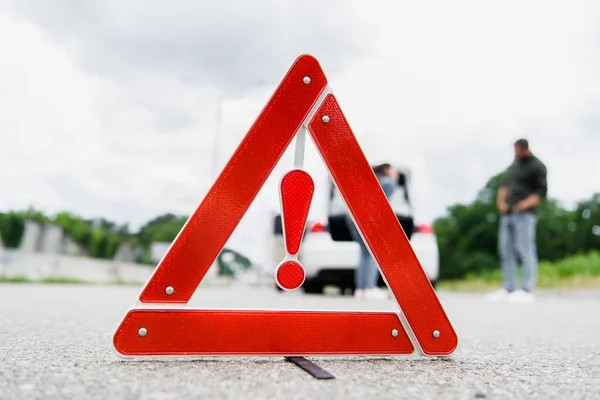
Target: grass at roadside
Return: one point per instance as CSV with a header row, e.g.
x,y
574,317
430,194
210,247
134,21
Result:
x,y
62,280
578,271
14,279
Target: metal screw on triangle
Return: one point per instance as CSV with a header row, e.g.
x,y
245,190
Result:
x,y
169,290
306,80
436,334
325,118
395,333
142,332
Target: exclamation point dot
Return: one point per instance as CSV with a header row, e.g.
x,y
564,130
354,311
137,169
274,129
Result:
x,y
290,275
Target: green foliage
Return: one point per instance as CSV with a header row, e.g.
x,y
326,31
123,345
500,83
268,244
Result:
x,y
12,225
226,266
467,239
14,279
98,238
582,265
36,216
586,224
79,229
161,229
126,283
61,280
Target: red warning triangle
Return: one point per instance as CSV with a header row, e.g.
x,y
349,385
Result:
x,y
303,99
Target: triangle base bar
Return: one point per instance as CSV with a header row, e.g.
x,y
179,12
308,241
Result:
x,y
187,332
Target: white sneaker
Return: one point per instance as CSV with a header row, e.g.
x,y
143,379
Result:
x,y
497,295
521,297
358,293
375,294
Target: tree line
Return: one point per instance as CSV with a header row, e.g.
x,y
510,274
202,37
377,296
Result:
x,y
98,238
467,235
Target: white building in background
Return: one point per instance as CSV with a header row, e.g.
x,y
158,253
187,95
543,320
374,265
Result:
x,y
47,239
51,239
158,250
126,253
71,248
32,235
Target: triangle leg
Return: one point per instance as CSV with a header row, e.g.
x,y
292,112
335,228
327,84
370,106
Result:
x,y
381,230
210,226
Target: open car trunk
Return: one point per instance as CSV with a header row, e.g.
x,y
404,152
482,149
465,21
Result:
x,y
337,223
339,231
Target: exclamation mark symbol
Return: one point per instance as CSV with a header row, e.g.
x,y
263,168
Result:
x,y
296,190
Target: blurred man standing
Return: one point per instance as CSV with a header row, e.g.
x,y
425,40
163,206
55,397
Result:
x,y
523,188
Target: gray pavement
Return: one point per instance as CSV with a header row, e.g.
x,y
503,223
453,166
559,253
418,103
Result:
x,y
55,342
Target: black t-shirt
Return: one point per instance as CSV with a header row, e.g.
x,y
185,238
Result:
x,y
523,178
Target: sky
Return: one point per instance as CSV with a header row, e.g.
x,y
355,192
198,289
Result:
x,y
109,109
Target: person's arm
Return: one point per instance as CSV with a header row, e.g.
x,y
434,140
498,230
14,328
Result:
x,y
501,199
541,190
502,193
388,185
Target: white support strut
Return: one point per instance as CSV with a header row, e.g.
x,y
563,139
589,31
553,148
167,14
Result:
x,y
299,150
301,135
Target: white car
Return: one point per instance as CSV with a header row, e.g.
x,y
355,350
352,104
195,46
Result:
x,y
329,255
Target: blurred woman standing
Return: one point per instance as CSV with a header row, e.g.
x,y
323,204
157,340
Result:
x,y
366,273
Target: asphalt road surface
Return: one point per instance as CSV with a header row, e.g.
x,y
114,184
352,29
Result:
x,y
55,342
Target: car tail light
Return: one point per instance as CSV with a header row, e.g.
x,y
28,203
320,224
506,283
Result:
x,y
425,228
317,227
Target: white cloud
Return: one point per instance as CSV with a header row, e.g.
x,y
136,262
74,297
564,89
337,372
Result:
x,y
110,111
